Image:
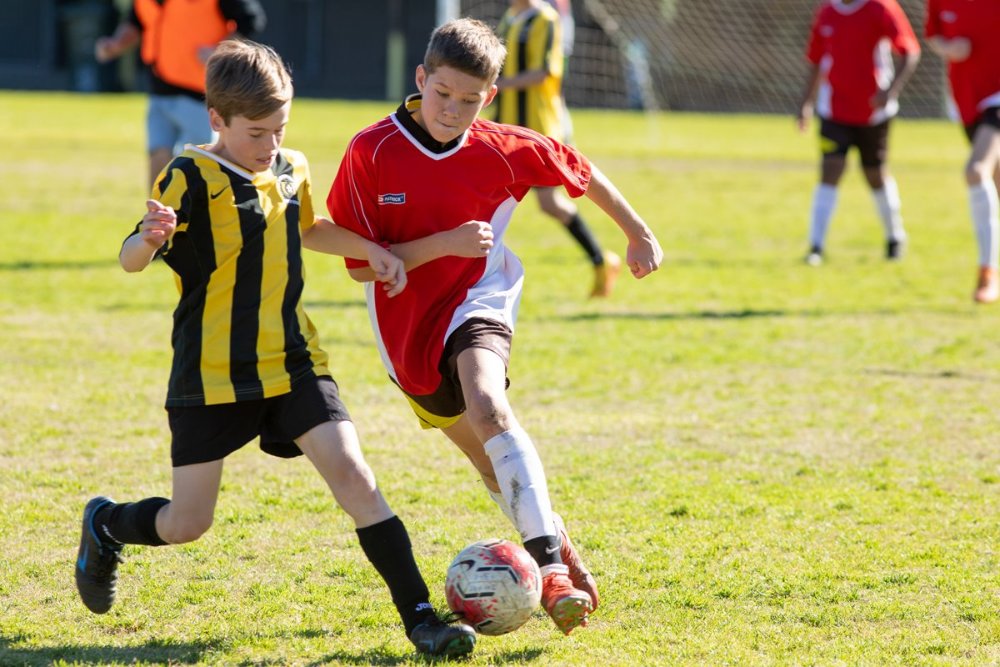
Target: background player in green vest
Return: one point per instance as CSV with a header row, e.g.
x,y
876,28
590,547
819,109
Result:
x,y
230,219
530,95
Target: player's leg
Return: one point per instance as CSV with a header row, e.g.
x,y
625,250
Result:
x,y
835,140
201,437
190,117
873,146
984,205
607,265
521,478
333,447
160,135
468,442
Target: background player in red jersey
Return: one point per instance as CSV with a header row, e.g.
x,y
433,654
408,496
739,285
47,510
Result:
x,y
966,33
438,186
854,87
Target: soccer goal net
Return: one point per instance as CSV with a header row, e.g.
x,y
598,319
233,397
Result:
x,y
704,55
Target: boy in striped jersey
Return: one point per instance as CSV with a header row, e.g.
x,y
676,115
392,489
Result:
x,y
230,219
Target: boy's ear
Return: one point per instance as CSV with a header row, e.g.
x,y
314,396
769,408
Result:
x,y
421,77
490,95
215,120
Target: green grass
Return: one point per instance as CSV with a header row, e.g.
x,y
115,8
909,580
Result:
x,y
764,463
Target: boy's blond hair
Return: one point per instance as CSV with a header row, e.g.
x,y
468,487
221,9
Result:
x,y
467,45
246,79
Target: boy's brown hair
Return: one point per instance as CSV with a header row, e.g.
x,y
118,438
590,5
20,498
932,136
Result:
x,y
467,45
246,79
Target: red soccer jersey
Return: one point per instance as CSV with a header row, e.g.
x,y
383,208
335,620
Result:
x,y
852,44
975,82
395,186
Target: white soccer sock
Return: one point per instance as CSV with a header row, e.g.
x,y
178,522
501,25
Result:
x,y
502,504
824,203
986,219
522,482
888,204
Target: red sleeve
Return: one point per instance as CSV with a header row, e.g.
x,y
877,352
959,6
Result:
x,y
539,161
351,201
932,27
899,30
814,49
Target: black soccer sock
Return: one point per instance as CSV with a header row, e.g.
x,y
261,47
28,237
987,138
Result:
x,y
130,523
544,549
581,232
387,546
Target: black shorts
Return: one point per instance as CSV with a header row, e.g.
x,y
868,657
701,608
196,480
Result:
x,y
443,408
990,116
212,432
872,141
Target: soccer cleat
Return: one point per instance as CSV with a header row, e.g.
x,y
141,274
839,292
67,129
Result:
x,y
815,256
578,572
435,637
96,563
988,285
606,274
894,250
567,605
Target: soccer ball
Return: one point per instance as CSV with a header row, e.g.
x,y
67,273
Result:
x,y
494,585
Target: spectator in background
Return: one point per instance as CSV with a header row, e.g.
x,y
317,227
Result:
x,y
177,37
858,88
531,96
967,36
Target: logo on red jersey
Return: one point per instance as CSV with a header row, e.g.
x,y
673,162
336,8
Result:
x,y
392,198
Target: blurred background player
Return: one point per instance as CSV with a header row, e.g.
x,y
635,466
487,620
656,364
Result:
x,y
177,38
854,87
531,96
966,34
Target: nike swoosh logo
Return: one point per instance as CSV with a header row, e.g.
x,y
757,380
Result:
x,y
216,195
81,562
552,550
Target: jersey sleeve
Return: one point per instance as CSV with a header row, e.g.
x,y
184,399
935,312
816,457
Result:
x,y
932,24
171,189
307,214
539,161
551,57
899,31
815,46
352,200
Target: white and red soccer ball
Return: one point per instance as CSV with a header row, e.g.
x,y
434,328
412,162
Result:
x,y
494,585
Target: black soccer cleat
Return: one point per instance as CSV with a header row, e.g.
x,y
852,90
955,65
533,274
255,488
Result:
x,y
894,250
96,563
435,637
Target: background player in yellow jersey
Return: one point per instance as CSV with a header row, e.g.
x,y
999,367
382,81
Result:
x,y
231,219
530,95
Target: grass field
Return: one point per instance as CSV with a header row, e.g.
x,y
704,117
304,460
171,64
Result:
x,y
764,463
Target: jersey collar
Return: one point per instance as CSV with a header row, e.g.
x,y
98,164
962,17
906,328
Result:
x,y
404,118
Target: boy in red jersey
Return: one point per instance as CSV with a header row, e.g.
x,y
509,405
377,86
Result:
x,y
857,88
438,186
966,33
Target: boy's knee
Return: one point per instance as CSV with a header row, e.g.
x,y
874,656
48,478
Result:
x,y
179,530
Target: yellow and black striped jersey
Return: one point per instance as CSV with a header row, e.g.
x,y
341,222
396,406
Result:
x,y
240,332
533,40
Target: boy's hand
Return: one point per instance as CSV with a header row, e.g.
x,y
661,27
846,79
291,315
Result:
x,y
158,225
644,255
958,49
388,269
470,239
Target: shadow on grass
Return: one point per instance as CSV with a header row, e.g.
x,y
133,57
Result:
x,y
382,657
58,265
173,653
931,375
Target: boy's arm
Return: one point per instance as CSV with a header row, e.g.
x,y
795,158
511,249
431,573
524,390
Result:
x,y
904,70
156,228
644,254
954,50
808,98
324,236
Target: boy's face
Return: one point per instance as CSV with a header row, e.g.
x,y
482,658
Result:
x,y
452,99
251,144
